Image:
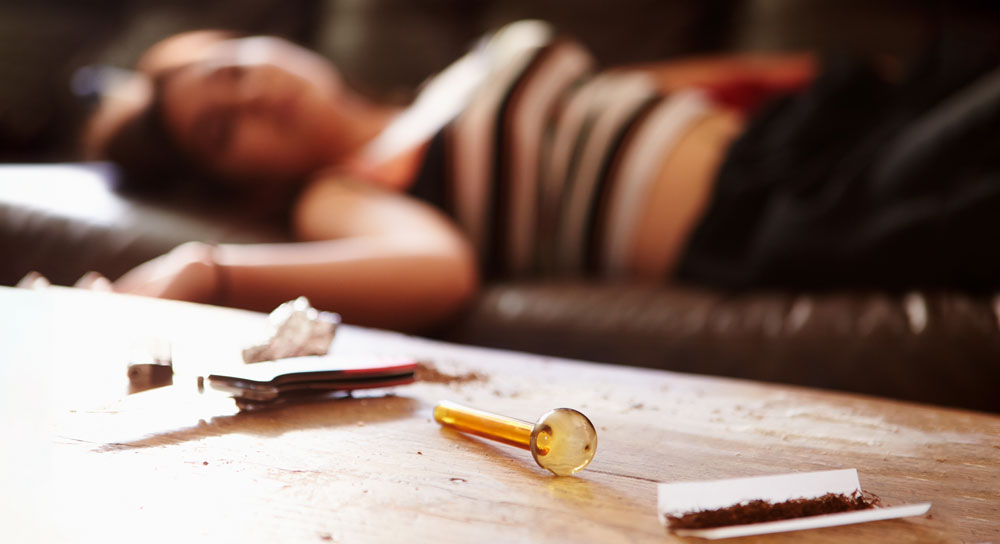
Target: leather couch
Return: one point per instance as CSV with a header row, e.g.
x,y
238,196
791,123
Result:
x,y
63,218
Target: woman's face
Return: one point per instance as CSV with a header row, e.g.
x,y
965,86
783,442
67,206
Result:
x,y
254,109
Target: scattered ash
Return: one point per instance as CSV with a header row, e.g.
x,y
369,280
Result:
x,y
427,372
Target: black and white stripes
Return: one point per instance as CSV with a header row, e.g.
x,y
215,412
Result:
x,y
547,167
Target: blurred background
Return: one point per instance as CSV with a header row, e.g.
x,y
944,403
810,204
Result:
x,y
387,47
63,220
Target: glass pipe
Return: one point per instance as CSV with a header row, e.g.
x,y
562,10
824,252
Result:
x,y
562,441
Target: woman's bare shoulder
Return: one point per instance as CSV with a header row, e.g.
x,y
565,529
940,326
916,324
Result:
x,y
336,205
328,205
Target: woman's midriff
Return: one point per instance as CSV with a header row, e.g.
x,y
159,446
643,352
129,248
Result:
x,y
680,194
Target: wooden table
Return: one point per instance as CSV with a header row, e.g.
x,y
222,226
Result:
x,y
377,468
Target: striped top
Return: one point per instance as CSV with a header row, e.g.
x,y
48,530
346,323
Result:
x,y
542,161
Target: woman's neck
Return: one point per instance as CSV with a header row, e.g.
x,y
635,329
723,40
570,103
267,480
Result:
x,y
362,125
356,123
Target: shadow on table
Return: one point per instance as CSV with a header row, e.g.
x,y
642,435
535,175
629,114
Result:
x,y
123,428
577,492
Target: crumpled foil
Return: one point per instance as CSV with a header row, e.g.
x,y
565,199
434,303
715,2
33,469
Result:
x,y
298,330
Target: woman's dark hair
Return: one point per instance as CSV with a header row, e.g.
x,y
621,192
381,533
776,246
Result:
x,y
150,160
152,163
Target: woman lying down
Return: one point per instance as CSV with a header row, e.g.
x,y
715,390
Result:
x,y
522,159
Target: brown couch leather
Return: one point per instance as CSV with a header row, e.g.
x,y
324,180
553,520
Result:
x,y
64,220
944,348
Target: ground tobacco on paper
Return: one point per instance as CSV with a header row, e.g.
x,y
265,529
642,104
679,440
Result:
x,y
760,511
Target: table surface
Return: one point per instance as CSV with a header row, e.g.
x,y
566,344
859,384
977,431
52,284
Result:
x,y
80,464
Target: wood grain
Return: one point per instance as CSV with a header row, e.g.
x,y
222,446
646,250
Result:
x,y
82,465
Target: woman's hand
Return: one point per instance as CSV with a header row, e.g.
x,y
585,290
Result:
x,y
188,272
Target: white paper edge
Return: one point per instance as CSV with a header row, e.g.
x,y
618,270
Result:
x,y
682,497
813,522
679,498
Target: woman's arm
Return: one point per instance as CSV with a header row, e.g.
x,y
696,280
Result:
x,y
378,258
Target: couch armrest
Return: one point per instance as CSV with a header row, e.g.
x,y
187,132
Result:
x,y
938,348
63,220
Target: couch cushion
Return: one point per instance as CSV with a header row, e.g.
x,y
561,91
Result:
x,y
63,220
940,348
